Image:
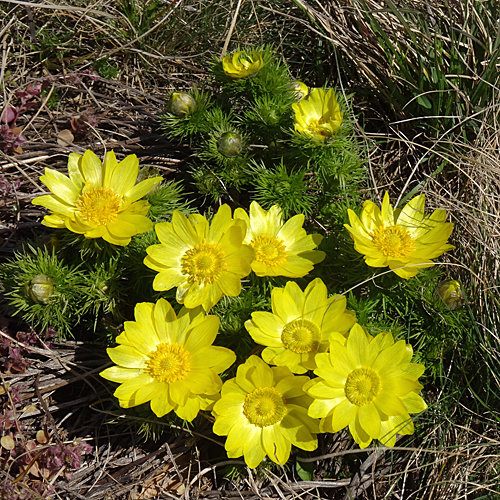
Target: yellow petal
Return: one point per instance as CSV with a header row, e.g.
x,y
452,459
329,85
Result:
x,y
144,339
167,279
162,404
203,335
359,435
217,358
343,415
276,445
124,175
165,322
389,403
127,356
61,186
142,188
168,254
119,374
108,168
387,213
369,419
412,213
190,410
414,403
128,388
53,221
254,374
74,162
184,229
91,170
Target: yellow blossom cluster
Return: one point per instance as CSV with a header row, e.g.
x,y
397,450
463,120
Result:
x,y
368,384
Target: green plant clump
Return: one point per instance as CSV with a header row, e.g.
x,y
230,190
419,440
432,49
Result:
x,y
243,139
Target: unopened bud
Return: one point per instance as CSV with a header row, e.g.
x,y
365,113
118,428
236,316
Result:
x,y
230,144
41,289
182,104
451,293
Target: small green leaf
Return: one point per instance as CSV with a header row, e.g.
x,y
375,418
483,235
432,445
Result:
x,y
305,470
423,101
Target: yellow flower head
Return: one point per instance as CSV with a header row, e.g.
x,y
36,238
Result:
x,y
98,200
263,411
318,116
280,249
397,238
204,262
242,64
168,360
300,325
368,384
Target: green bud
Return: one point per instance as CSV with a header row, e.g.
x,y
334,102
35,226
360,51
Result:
x,y
230,144
40,289
181,104
451,293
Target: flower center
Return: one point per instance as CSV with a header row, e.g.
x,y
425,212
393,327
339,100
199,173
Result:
x,y
321,129
301,336
244,61
362,386
393,241
170,362
264,406
204,263
269,250
98,206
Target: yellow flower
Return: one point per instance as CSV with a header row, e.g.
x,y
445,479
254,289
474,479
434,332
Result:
x,y
368,384
398,238
318,116
98,200
280,249
301,89
263,411
300,325
168,360
242,64
204,262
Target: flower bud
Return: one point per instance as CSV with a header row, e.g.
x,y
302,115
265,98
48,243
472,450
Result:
x,y
182,104
41,289
301,89
451,293
230,144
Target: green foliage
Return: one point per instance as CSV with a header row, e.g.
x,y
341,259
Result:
x,y
53,101
141,16
105,68
54,44
62,310
139,277
104,291
305,470
169,196
337,163
289,190
412,311
233,312
194,123
258,111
